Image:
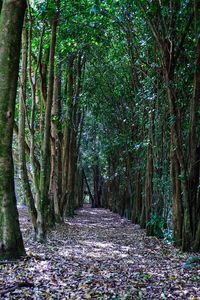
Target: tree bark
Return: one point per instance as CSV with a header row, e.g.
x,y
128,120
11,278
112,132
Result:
x,y
43,203
67,133
88,187
97,184
149,183
11,23
22,155
55,189
32,81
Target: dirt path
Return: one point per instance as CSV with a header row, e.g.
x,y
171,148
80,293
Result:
x,y
98,255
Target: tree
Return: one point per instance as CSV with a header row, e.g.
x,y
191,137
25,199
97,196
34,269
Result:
x,y
29,200
11,23
43,203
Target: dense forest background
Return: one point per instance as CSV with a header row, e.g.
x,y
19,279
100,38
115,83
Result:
x,y
107,103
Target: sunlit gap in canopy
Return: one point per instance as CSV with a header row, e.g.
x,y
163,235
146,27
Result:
x,y
34,3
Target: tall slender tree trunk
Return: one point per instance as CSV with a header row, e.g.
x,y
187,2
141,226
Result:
x,y
56,163
149,183
177,205
32,75
137,205
88,187
73,126
67,133
11,23
96,184
71,171
22,155
43,205
80,191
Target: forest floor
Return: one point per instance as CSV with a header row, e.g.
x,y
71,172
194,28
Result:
x,y
98,255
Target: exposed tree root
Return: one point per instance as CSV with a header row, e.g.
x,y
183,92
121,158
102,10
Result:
x,y
16,286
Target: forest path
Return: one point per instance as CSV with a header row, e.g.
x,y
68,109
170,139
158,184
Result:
x,y
99,255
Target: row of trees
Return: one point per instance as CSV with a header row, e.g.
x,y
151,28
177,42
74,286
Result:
x,y
147,77
107,91
47,123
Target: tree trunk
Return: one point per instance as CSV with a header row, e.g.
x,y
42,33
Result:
x,y
74,125
148,184
67,133
11,23
71,171
96,185
177,205
88,187
22,155
44,205
55,188
137,206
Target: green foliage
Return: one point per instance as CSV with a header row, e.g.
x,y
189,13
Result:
x,y
155,226
168,236
192,261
